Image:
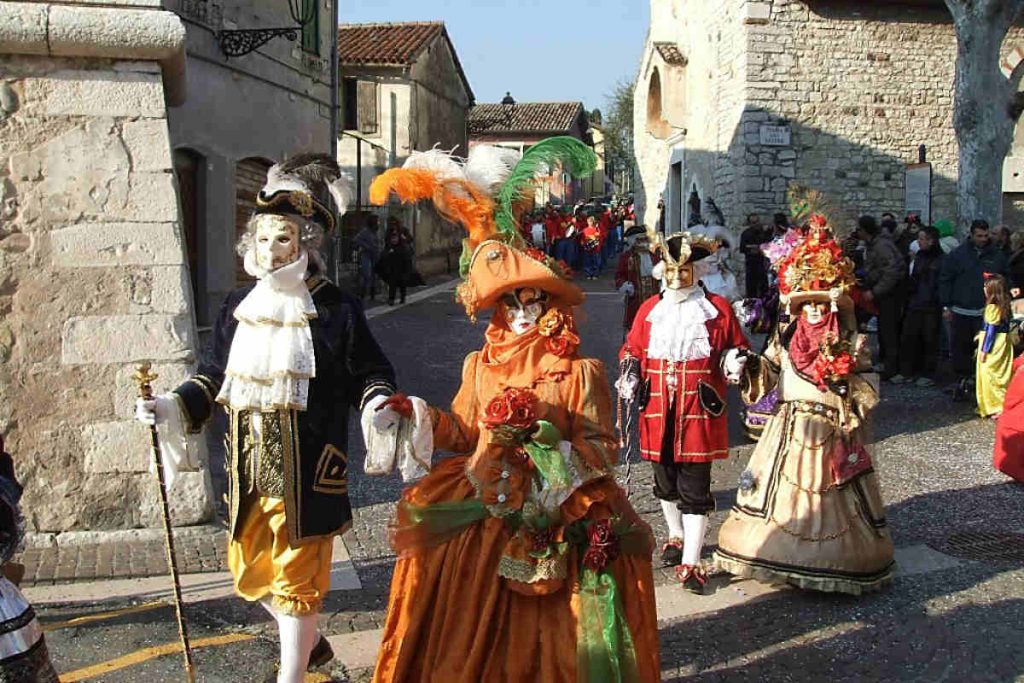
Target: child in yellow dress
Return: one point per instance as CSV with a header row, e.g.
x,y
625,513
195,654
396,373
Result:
x,y
995,355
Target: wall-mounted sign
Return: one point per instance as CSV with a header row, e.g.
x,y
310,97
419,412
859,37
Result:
x,y
918,191
776,136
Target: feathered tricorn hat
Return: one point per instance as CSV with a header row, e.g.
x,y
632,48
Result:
x,y
293,187
680,249
481,193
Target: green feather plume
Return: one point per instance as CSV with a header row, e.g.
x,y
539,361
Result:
x,y
574,157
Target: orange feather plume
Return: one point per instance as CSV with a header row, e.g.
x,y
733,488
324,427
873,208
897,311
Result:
x,y
455,199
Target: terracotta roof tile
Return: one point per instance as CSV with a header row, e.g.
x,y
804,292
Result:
x,y
671,54
527,117
391,44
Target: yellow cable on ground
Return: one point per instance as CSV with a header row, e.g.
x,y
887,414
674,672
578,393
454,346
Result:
x,y
148,653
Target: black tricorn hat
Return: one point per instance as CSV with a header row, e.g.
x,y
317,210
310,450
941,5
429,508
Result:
x,y
293,185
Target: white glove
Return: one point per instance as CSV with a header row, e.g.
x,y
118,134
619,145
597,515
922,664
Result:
x,y
154,411
733,365
178,450
627,289
383,420
626,386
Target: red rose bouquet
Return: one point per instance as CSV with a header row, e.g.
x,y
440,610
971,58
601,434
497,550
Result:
x,y
512,413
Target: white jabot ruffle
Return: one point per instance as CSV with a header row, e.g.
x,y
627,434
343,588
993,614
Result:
x,y
271,359
678,330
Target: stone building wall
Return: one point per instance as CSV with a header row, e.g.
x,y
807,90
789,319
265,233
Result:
x,y
860,85
92,269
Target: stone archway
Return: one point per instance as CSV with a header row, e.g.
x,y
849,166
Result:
x,y
657,125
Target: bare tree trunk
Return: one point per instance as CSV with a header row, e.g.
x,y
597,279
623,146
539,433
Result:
x,y
984,112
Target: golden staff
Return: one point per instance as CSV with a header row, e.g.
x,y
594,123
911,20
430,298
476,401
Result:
x,y
144,378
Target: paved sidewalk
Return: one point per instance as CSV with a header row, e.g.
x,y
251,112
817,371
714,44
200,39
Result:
x,y
124,555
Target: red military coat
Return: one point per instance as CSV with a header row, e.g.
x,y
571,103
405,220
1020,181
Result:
x,y
644,287
695,386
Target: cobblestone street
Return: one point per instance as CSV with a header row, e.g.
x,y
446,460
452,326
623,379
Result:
x,y
953,613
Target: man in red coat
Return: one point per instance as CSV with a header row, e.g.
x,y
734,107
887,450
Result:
x,y
634,275
684,346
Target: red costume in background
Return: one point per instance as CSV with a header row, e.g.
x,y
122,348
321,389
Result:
x,y
630,270
1008,457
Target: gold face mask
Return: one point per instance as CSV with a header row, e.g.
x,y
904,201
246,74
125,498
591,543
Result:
x,y
678,277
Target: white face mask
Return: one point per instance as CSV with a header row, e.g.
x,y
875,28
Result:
x,y
523,317
814,313
277,242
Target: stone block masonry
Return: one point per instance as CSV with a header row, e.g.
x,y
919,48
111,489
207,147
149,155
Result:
x,y
93,277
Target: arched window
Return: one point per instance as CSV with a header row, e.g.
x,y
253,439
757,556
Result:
x,y
656,123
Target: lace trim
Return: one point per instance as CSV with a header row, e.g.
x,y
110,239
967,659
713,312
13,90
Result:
x,y
532,572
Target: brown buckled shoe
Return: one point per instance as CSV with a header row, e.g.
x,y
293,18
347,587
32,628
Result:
x,y
693,577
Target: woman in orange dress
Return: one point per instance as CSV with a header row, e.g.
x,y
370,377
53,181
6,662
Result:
x,y
520,559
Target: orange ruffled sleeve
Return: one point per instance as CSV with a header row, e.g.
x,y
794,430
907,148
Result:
x,y
459,430
589,403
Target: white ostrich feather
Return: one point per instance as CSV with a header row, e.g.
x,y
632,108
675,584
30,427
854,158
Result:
x,y
442,163
488,167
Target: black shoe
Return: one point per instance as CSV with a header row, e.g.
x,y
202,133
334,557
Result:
x,y
672,553
320,655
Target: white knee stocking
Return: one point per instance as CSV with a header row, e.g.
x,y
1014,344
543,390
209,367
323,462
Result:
x,y
674,519
694,528
298,636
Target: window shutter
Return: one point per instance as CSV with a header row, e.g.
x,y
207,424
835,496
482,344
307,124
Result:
x,y
367,98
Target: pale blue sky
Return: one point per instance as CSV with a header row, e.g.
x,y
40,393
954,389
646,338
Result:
x,y
539,50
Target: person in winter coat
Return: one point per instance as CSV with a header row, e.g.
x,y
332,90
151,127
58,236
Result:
x,y
884,273
962,293
1015,265
922,324
395,265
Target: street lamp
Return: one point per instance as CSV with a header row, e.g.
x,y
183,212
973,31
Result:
x,y
508,108
241,42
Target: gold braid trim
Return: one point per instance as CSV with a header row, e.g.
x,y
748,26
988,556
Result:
x,y
530,572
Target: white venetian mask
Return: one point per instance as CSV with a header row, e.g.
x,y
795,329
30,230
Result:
x,y
523,309
277,242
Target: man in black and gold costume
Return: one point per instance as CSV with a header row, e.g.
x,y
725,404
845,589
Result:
x,y
290,356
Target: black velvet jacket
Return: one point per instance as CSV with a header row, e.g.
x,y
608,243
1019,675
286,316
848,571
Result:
x,y
309,446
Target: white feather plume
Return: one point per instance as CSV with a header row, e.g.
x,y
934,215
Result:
x,y
442,163
342,192
488,167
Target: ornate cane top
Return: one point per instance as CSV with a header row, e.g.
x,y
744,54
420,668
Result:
x,y
145,378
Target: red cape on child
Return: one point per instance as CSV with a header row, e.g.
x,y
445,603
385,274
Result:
x,y
1008,457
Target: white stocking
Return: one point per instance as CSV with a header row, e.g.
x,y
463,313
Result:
x,y
298,636
695,526
674,519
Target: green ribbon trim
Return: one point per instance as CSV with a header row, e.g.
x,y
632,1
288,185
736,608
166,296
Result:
x,y
604,647
543,451
442,519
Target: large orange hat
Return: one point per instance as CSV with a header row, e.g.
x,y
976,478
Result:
x,y
497,267
480,193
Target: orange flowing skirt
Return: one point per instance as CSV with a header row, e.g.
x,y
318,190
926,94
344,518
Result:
x,y
452,619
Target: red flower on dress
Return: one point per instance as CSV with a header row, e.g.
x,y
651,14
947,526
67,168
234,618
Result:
x,y
834,361
541,540
604,545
